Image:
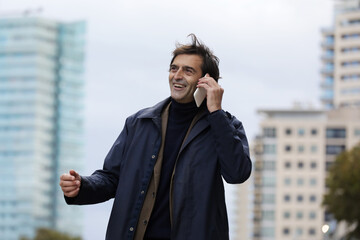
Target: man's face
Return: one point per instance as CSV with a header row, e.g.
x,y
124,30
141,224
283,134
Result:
x,y
185,71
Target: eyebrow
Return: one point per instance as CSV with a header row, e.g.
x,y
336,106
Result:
x,y
185,67
191,68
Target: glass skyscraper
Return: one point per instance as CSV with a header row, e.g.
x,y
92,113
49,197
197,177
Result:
x,y
41,123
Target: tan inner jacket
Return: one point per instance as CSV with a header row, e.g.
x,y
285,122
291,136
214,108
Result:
x,y
150,197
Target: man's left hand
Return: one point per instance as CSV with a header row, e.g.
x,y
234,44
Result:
x,y
214,92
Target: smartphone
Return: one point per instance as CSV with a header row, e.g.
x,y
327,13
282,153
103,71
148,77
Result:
x,y
199,96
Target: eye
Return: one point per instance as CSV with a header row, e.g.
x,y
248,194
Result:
x,y
189,71
173,68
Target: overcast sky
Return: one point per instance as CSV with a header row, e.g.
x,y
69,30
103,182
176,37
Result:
x,y
269,54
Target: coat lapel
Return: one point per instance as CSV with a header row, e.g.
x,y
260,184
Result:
x,y
154,112
199,123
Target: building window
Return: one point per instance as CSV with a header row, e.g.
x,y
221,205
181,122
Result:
x,y
329,80
330,66
357,132
299,215
301,131
299,198
267,232
269,132
312,215
269,165
329,39
300,165
287,165
328,165
350,35
314,132
299,232
268,198
334,149
288,148
301,148
288,131
287,198
314,148
328,217
350,77
287,181
347,22
286,215
312,231
312,198
286,231
269,181
335,133
313,181
313,165
350,63
269,148
300,181
268,215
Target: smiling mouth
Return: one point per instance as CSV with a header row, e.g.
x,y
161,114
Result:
x,y
178,85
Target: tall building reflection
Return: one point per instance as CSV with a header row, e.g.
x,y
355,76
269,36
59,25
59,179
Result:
x,y
41,123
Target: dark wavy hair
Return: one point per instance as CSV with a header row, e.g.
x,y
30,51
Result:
x,y
210,63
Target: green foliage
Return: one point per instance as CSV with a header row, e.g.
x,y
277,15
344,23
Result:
x,y
343,196
48,234
24,238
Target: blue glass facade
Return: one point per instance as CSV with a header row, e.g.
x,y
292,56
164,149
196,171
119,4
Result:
x,y
41,123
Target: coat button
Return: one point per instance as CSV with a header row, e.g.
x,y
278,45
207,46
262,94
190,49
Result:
x,y
153,156
142,192
145,222
131,229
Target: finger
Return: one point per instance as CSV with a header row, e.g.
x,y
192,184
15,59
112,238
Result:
x,y
209,81
74,173
69,183
72,193
203,85
67,177
69,189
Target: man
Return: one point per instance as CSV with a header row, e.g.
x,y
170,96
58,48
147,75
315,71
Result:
x,y
165,169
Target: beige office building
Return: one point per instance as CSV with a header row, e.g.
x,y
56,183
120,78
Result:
x,y
292,155
297,146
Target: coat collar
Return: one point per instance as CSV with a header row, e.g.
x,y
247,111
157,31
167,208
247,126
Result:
x,y
155,111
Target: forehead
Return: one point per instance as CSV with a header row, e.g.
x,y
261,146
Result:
x,y
191,60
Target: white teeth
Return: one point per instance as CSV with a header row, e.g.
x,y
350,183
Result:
x,y
178,85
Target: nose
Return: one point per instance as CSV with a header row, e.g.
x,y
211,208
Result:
x,y
179,74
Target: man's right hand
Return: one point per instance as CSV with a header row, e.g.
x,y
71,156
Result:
x,y
70,183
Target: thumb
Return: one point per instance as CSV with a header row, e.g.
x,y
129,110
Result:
x,y
74,173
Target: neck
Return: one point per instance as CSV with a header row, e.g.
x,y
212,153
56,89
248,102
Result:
x,y
182,106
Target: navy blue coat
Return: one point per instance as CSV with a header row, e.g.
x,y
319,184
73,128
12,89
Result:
x,y
216,147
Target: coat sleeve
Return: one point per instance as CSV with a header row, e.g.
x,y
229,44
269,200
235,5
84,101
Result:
x,y
231,146
102,184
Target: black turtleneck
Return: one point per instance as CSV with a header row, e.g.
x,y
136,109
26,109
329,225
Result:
x,y
180,117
